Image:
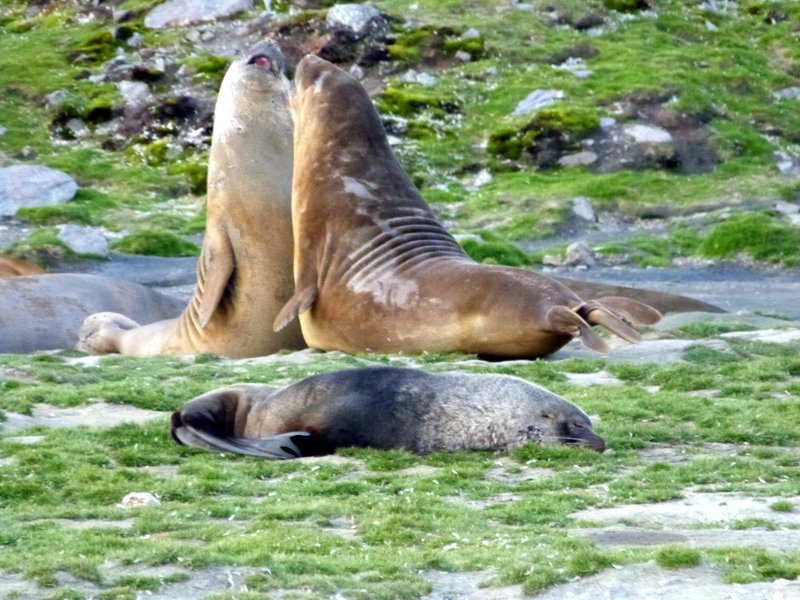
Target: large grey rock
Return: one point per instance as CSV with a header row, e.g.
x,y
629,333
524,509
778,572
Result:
x,y
358,19
176,13
84,240
536,100
135,93
23,186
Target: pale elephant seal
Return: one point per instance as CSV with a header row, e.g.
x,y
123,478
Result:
x,y
375,270
44,312
381,407
244,273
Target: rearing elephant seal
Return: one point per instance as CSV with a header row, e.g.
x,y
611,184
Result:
x,y
244,273
381,407
375,270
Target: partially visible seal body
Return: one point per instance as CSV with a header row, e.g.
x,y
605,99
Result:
x,y
44,312
12,267
245,268
376,271
382,407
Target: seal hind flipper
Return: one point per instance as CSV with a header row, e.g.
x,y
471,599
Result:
x,y
297,304
631,310
216,267
597,314
277,447
564,320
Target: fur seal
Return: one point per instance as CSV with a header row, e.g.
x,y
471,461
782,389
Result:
x,y
244,273
44,312
381,407
376,271
12,267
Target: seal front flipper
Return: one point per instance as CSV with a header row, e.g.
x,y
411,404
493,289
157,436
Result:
x,y
297,304
216,267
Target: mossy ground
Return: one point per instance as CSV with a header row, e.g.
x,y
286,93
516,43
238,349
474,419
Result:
x,y
369,524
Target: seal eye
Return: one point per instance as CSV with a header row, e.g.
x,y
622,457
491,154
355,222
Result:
x,y
578,425
261,61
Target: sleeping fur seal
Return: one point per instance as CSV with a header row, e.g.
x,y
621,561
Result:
x,y
375,270
44,312
381,407
244,273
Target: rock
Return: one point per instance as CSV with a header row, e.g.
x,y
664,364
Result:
x,y
483,177
582,208
551,260
773,336
84,240
787,208
787,164
135,93
23,186
647,134
592,379
360,20
576,66
135,499
470,34
176,13
55,99
463,56
579,254
790,93
78,129
424,79
536,100
584,157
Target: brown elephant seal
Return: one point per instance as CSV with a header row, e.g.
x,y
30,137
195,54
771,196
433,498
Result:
x,y
44,312
381,407
244,273
12,267
375,270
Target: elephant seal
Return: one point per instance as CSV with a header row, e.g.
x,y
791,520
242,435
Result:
x,y
375,270
244,273
12,267
381,407
44,312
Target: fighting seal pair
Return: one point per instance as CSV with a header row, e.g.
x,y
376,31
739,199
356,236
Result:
x,y
384,408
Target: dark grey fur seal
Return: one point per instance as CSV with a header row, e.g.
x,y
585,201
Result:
x,y
381,407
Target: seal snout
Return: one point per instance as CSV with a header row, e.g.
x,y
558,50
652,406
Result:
x,y
266,56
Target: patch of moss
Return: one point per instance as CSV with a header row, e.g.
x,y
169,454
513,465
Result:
x,y
195,170
40,247
407,101
495,250
760,235
626,5
783,506
155,243
208,67
552,132
428,43
474,46
97,47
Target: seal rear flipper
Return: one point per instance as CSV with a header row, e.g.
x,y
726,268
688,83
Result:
x,y
297,304
564,320
216,267
631,310
597,314
277,447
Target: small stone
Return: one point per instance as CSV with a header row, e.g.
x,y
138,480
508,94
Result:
x,y
536,100
786,208
84,240
579,254
2,130
135,499
710,26
607,122
135,93
78,128
551,260
581,207
176,13
483,177
470,34
358,19
585,157
135,41
576,66
647,134
424,79
790,93
55,99
463,56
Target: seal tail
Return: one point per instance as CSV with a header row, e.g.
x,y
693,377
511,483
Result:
x,y
564,320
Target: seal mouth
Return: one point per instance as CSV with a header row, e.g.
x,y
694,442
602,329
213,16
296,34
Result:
x,y
262,61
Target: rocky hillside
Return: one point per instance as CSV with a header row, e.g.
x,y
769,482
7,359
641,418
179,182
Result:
x,y
655,132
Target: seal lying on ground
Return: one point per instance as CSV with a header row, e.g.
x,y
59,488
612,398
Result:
x,y
12,267
375,270
44,312
381,407
245,269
